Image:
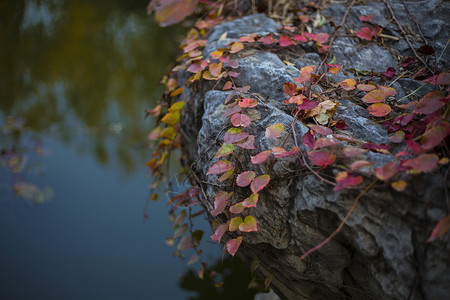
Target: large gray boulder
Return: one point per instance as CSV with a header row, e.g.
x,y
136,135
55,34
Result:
x,y
381,251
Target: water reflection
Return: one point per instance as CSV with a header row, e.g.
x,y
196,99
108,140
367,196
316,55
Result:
x,y
86,68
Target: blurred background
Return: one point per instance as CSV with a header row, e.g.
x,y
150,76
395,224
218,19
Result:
x,y
75,79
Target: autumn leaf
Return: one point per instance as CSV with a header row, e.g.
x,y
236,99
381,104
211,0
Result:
x,y
247,102
440,229
289,88
185,243
285,41
267,40
245,178
364,33
325,142
321,158
300,38
225,150
237,208
365,87
360,164
236,47
240,120
379,109
215,69
251,201
180,231
322,37
345,179
220,167
423,162
226,175
247,143
434,137
220,202
219,232
248,225
309,139
397,137
171,118
320,129
366,18
387,171
233,245
232,109
274,130
348,84
259,183
168,12
390,72
429,103
399,186
374,96
228,85
234,223
260,157
441,79
234,135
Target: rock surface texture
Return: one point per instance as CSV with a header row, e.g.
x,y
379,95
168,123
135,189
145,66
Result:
x,y
381,251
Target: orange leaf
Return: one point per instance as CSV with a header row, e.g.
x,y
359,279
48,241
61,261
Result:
x,y
248,225
379,109
348,84
440,229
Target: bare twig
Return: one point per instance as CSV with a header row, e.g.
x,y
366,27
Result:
x,y
335,33
415,21
342,223
406,37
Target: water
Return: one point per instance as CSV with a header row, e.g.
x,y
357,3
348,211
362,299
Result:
x,y
76,76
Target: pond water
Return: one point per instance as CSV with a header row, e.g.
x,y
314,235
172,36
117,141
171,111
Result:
x,y
76,77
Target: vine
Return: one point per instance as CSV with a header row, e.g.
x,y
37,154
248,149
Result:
x,y
422,125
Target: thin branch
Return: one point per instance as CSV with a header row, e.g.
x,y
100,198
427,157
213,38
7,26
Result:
x,y
340,225
406,37
415,21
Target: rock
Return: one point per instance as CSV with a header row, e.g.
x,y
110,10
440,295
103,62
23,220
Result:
x,y
381,251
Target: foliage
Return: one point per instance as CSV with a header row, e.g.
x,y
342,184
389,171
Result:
x,y
422,125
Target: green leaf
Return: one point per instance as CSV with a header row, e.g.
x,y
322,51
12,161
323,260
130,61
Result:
x,y
234,223
255,264
248,225
225,150
171,118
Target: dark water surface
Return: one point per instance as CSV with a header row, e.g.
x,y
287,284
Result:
x,y
75,78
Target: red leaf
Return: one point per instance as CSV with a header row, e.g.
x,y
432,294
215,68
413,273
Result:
x,y
321,158
248,225
304,77
440,229
285,41
233,108
300,38
290,88
408,61
429,103
324,142
234,135
274,130
353,151
197,66
233,245
441,79
345,179
169,12
423,162
220,202
247,102
397,137
322,37
321,129
245,178
261,157
379,109
366,18
309,139
247,143
279,152
382,148
390,72
220,231
251,201
307,104
220,167
185,243
364,34
267,40
228,85
434,137
386,172
259,183
360,164
341,124
240,120
233,63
